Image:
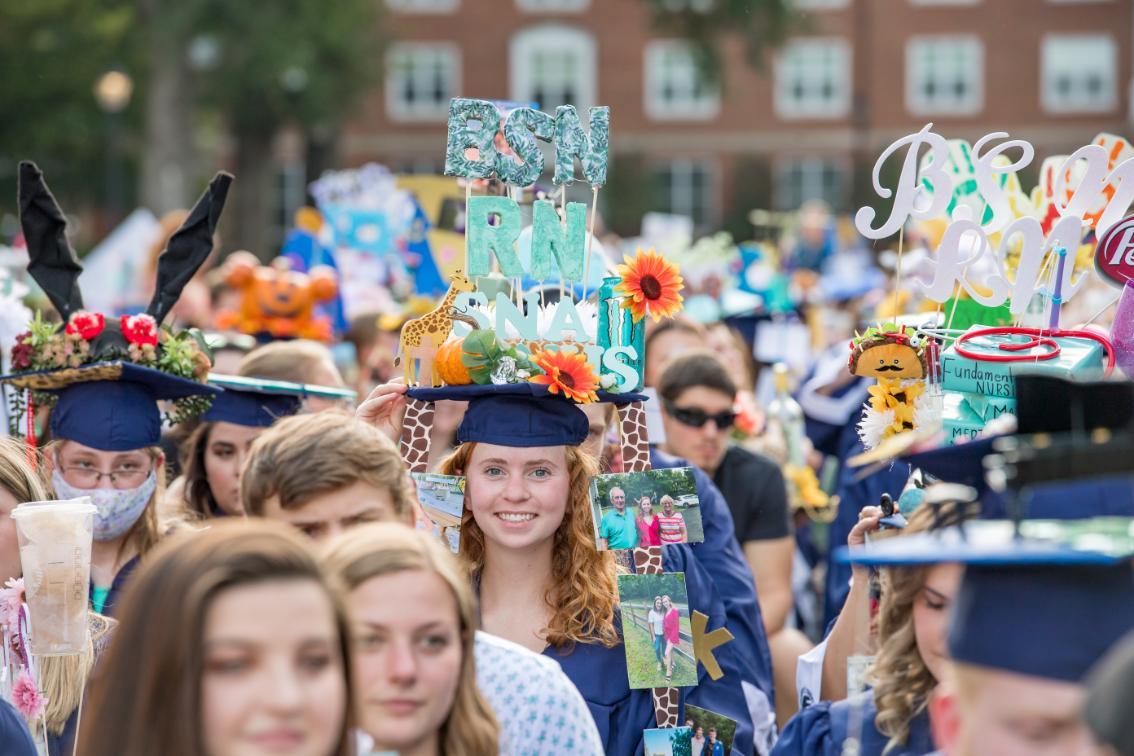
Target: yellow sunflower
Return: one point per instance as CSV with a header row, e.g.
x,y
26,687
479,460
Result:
x,y
568,372
650,283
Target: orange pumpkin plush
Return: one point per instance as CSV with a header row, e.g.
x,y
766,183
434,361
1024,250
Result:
x,y
276,300
449,366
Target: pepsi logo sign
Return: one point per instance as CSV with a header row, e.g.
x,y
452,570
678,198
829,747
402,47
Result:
x,y
1114,253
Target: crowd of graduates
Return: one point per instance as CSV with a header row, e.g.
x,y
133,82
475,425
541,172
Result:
x,y
264,580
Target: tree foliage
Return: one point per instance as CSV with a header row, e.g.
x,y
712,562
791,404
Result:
x,y
645,587
761,24
52,52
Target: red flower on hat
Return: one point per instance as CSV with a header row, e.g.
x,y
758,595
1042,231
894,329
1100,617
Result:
x,y
22,352
86,324
140,329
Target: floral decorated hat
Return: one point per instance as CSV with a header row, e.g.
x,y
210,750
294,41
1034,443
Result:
x,y
103,375
524,383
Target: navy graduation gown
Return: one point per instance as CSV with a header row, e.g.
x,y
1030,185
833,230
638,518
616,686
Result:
x,y
822,729
15,740
721,557
620,713
117,586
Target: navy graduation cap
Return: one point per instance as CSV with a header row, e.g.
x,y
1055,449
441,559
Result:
x,y
1045,598
105,375
518,414
257,402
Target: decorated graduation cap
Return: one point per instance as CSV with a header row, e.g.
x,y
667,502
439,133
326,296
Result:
x,y
521,360
105,375
1044,598
259,402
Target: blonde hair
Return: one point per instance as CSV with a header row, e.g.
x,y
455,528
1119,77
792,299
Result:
x,y
305,456
297,361
584,589
17,476
370,551
902,681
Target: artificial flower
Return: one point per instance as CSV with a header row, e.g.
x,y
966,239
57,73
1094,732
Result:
x,y
140,329
27,698
22,352
568,372
11,597
86,324
650,283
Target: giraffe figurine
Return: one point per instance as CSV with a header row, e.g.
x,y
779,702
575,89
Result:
x,y
429,332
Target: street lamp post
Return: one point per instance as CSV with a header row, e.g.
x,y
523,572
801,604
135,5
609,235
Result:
x,y
112,91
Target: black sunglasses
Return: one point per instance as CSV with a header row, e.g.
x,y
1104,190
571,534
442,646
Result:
x,y
696,418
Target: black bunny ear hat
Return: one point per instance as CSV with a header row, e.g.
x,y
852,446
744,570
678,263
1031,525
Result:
x,y
107,374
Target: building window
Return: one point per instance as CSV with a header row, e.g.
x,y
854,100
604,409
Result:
x,y
819,4
805,179
553,65
687,188
554,6
675,87
680,6
421,78
813,79
422,6
1079,73
944,75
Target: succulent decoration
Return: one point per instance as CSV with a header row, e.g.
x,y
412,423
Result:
x,y
53,346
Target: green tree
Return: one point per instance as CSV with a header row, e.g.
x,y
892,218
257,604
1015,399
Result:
x,y
52,52
761,24
298,63
680,740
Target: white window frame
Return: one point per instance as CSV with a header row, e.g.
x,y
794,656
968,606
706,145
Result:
x,y
396,109
552,6
819,4
422,6
702,108
1050,103
783,165
916,104
549,37
787,106
711,199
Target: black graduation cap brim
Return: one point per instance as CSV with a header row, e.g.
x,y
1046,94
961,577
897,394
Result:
x,y
995,542
534,390
160,384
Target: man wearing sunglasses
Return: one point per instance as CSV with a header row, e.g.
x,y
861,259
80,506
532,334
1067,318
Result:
x,y
697,396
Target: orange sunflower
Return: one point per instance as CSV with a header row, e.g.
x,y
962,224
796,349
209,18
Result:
x,y
650,283
568,372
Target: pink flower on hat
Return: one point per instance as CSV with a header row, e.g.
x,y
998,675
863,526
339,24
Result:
x,y
86,324
140,329
27,698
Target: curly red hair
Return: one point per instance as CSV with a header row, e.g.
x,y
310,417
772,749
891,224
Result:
x,y
584,589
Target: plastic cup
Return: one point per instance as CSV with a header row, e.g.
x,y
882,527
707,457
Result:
x,y
55,552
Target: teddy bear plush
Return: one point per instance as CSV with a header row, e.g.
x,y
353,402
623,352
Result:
x,y
277,301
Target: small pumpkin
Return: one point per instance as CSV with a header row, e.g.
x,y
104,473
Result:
x,y
449,366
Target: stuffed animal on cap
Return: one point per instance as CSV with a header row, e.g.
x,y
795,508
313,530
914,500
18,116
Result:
x,y
277,301
896,357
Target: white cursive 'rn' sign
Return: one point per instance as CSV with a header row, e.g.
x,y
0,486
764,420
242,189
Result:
x,y
1089,181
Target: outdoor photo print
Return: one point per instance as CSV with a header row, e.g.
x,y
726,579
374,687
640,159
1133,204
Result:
x,y
712,733
442,497
651,508
655,627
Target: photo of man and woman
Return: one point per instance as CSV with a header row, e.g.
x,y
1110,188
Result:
x,y
655,626
651,508
712,733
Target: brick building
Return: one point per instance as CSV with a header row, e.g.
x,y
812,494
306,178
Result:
x,y
809,124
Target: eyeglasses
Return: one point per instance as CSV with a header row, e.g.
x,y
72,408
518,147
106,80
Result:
x,y
88,477
696,418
